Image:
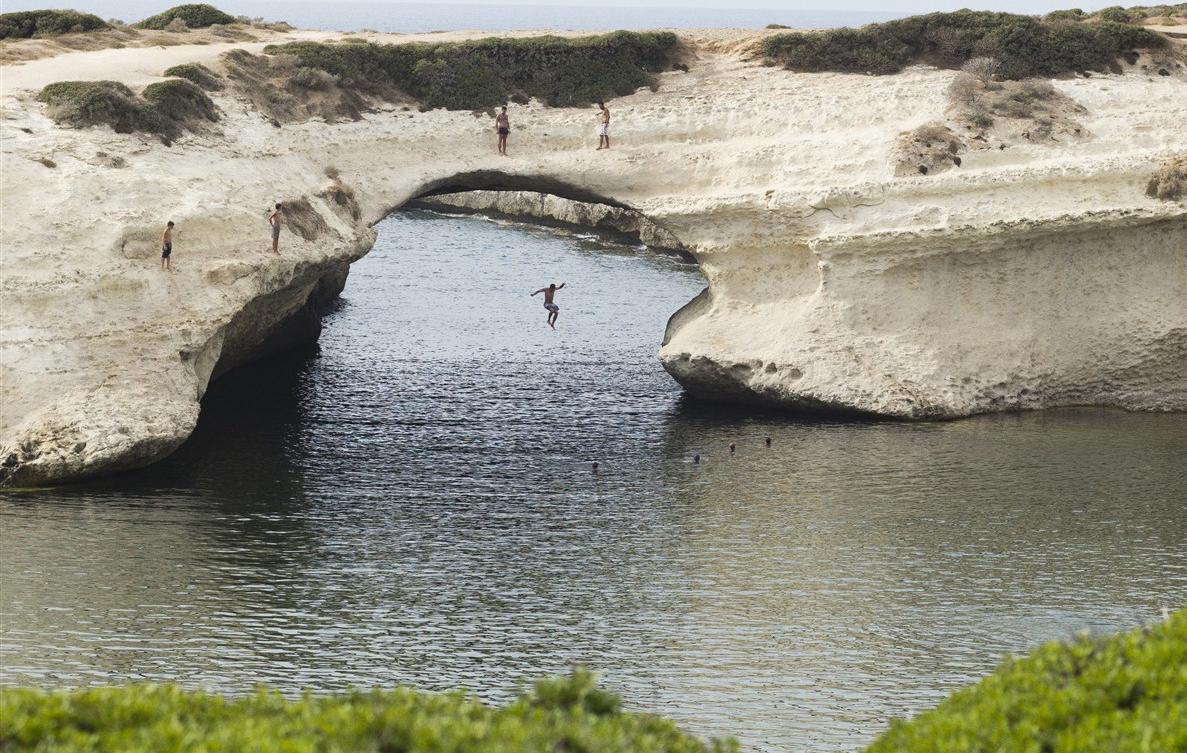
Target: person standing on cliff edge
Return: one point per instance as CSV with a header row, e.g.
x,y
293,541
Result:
x,y
604,127
274,221
166,244
553,310
503,128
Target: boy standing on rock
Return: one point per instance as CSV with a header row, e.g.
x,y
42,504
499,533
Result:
x,y
503,128
604,127
166,244
274,221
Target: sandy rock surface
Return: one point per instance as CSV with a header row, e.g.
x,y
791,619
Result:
x,y
1031,276
617,223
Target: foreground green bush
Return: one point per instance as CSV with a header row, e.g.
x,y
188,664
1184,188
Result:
x,y
1123,694
195,16
46,23
1026,46
487,72
559,716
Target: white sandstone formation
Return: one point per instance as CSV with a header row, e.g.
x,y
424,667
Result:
x,y
615,222
1032,276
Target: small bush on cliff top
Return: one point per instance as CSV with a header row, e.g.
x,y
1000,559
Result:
x,y
46,23
196,73
571,714
195,16
1026,46
487,72
166,109
1122,694
180,101
88,103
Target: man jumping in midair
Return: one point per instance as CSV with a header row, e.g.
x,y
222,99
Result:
x,y
553,309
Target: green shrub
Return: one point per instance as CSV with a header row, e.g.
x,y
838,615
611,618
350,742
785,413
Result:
x,y
563,715
89,103
196,73
46,23
1115,13
1143,12
313,79
1072,14
180,101
1025,46
1123,694
487,72
165,108
195,16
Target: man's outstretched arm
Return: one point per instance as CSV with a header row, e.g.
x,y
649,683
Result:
x,y
541,290
558,287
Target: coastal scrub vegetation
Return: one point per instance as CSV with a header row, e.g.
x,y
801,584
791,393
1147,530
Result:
x,y
1125,693
1025,46
194,16
488,72
1118,14
47,23
165,108
197,74
1170,182
569,714
180,101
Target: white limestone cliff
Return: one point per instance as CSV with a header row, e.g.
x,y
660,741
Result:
x,y
1033,276
616,223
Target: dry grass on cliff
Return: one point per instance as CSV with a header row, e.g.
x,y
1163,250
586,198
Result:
x,y
300,217
1170,182
342,198
929,149
1027,111
117,37
287,92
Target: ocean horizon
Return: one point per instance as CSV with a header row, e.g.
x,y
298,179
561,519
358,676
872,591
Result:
x,y
427,17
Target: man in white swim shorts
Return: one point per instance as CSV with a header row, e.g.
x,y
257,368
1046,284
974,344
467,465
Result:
x,y
603,126
553,309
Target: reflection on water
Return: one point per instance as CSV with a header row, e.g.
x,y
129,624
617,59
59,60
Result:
x,y
414,503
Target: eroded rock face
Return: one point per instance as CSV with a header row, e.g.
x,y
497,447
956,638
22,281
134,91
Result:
x,y
953,322
1037,276
617,222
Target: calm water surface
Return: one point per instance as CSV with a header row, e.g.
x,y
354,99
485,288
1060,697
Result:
x,y
414,503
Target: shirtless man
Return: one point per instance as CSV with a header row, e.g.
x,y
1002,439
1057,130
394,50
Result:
x,y
603,127
274,221
553,309
502,127
166,244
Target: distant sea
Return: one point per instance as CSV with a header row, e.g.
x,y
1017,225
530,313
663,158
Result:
x,y
421,17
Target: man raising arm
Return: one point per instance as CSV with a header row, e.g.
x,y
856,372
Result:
x,y
553,309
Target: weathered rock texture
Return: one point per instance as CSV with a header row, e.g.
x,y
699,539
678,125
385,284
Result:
x,y
1032,276
620,223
